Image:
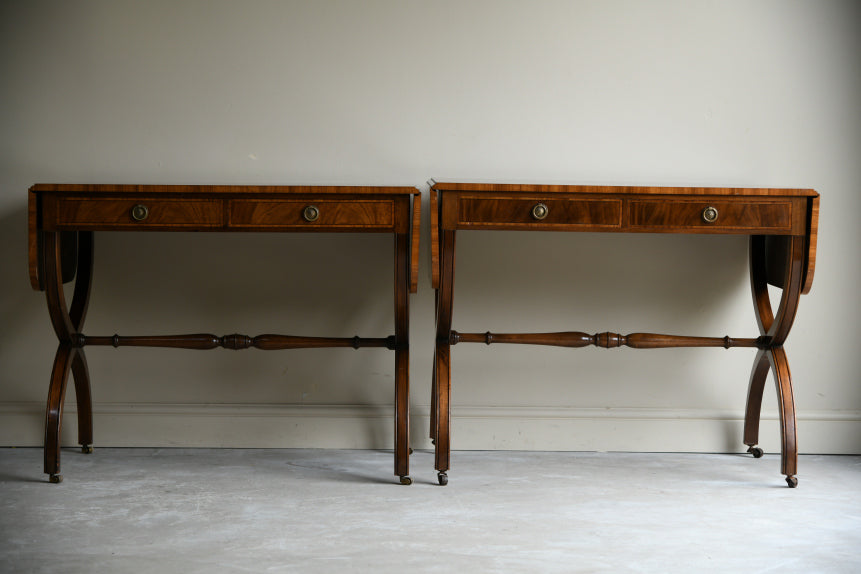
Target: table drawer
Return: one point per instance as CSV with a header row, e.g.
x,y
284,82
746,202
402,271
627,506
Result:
x,y
743,216
512,213
312,213
143,212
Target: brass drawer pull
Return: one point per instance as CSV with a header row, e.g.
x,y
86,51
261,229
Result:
x,y
710,214
140,212
540,211
311,213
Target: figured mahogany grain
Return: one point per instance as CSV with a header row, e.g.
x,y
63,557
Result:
x,y
277,214
63,217
745,215
782,224
97,213
812,234
484,211
619,190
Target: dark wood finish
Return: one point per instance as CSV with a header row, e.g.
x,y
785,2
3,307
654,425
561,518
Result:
x,y
630,213
278,214
775,329
812,234
782,225
731,215
219,190
434,221
205,341
98,213
575,339
619,190
442,356
493,211
414,243
63,217
402,355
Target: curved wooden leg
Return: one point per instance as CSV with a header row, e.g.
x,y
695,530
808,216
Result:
x,y
77,314
84,281
81,375
70,356
785,264
759,284
442,445
755,390
764,319
786,407
54,412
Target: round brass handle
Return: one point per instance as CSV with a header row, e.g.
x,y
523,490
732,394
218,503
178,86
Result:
x,y
540,211
140,212
311,213
710,214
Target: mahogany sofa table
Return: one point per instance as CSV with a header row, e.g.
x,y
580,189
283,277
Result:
x,y
782,225
62,219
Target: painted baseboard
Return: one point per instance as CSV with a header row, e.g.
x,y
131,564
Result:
x,y
473,428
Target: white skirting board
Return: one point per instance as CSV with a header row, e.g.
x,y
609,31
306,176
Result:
x,y
473,428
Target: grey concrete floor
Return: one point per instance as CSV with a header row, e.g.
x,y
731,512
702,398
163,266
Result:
x,y
203,511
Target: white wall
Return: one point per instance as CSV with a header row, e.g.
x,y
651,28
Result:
x,y
732,93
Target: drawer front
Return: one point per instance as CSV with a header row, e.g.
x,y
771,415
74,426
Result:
x,y
106,213
514,213
728,216
311,214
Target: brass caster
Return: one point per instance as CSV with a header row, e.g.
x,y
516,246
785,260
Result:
x,y
443,479
406,480
755,451
791,481
56,478
87,449
411,450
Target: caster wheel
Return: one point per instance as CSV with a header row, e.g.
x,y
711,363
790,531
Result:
x,y
406,480
56,478
791,481
755,451
87,449
443,479
411,451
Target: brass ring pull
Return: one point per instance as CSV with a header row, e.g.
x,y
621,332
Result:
x,y
140,212
311,213
710,214
540,211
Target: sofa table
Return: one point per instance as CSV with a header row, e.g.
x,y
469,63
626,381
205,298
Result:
x,y
782,225
62,219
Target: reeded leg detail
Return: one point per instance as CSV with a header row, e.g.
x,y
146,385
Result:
x,y
786,407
